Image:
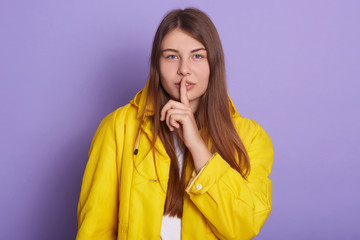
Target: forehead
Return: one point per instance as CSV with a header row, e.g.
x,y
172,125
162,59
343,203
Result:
x,y
179,39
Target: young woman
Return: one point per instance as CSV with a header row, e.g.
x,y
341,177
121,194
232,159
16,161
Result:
x,y
178,159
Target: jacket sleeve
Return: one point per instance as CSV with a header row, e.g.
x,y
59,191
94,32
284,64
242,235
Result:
x,y
236,208
98,203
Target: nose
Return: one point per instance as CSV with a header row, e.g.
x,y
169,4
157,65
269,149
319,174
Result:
x,y
184,67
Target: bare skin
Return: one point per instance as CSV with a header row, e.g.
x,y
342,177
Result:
x,y
180,116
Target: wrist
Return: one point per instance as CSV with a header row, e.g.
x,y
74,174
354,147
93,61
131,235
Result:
x,y
197,145
200,154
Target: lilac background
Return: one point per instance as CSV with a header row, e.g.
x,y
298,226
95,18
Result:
x,y
293,66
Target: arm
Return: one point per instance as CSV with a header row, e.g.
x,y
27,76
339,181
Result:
x,y
98,202
236,208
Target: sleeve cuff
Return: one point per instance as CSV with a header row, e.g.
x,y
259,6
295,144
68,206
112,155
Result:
x,y
208,175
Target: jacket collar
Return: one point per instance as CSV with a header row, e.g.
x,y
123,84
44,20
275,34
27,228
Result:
x,y
140,100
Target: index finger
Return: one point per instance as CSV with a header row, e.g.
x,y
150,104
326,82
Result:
x,y
183,93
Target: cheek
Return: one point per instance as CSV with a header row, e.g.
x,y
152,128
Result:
x,y
167,70
167,77
203,72
205,77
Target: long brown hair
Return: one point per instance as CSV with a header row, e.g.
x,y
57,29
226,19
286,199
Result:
x,y
213,115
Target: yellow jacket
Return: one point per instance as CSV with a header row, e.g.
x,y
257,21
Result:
x,y
118,201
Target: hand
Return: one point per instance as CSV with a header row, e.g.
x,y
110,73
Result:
x,y
179,115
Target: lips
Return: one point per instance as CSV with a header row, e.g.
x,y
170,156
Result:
x,y
187,84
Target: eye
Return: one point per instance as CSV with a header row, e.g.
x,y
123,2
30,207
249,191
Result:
x,y
172,57
198,56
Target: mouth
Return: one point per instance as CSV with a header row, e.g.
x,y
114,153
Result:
x,y
187,84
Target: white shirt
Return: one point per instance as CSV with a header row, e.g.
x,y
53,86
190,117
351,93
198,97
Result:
x,y
171,226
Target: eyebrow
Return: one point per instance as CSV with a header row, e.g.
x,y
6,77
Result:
x,y
174,50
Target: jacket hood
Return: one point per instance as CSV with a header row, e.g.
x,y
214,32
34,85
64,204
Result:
x,y
140,100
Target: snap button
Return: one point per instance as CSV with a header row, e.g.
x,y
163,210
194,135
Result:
x,y
198,187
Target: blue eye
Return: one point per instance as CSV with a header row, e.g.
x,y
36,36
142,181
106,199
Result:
x,y
198,56
172,57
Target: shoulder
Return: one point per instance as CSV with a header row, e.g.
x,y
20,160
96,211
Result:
x,y
251,132
117,120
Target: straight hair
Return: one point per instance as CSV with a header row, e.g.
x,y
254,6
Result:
x,y
213,115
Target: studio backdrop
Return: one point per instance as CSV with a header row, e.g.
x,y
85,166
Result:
x,y
292,66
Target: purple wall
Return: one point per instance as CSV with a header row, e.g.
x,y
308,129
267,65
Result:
x,y
292,66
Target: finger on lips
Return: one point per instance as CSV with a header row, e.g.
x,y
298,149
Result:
x,y
183,93
173,110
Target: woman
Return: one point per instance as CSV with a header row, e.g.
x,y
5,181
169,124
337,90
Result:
x,y
179,152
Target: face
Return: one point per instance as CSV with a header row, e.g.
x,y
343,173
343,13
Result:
x,y
184,56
